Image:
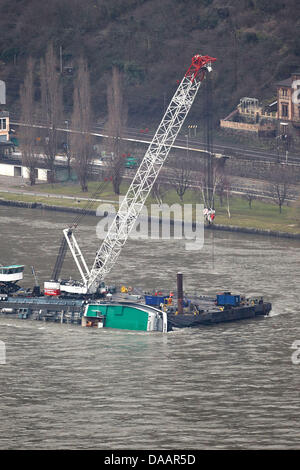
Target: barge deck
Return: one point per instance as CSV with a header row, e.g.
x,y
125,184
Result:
x,y
200,311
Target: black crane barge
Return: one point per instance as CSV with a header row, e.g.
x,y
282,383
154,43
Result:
x,y
131,311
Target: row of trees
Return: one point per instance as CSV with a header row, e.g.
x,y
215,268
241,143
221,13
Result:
x,y
278,187
47,110
43,105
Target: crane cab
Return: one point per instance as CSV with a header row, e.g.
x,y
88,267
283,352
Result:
x,y
11,273
9,276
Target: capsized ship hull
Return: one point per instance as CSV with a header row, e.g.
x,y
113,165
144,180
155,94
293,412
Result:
x,y
125,315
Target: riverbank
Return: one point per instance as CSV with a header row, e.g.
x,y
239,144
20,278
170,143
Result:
x,y
260,219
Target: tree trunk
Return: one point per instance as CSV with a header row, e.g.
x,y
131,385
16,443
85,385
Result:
x,y
116,122
228,209
51,106
81,144
32,176
28,132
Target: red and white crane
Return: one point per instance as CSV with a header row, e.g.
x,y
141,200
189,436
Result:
x,y
140,186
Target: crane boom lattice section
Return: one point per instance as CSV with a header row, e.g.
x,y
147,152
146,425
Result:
x,y
150,166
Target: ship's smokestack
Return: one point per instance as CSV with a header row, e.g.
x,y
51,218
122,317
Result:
x,y
180,293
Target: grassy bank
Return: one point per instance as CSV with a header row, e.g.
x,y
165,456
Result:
x,y
262,215
96,190
53,201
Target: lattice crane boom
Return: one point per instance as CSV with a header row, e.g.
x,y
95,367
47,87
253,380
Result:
x,y
148,170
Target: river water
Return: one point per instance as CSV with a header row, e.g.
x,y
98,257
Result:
x,y
228,386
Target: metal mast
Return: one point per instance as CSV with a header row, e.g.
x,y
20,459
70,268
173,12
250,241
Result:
x,y
150,166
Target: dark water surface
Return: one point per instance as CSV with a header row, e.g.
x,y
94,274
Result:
x,y
229,386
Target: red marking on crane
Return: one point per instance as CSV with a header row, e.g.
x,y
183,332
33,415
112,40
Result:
x,y
198,65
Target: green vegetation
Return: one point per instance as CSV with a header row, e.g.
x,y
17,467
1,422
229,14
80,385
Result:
x,y
263,215
96,190
51,201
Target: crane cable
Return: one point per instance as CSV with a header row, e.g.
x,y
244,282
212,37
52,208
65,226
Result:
x,y
89,204
63,244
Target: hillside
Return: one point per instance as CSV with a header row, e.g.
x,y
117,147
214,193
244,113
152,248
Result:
x,y
256,43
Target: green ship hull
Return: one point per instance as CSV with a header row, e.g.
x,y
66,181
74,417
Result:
x,y
125,316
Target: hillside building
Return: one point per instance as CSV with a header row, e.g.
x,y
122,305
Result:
x,y
5,144
288,99
252,116
4,126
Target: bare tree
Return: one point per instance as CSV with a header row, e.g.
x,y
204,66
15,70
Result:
x,y
28,132
51,97
159,188
297,207
250,197
81,142
281,178
219,183
116,122
222,185
228,204
216,182
181,177
201,185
